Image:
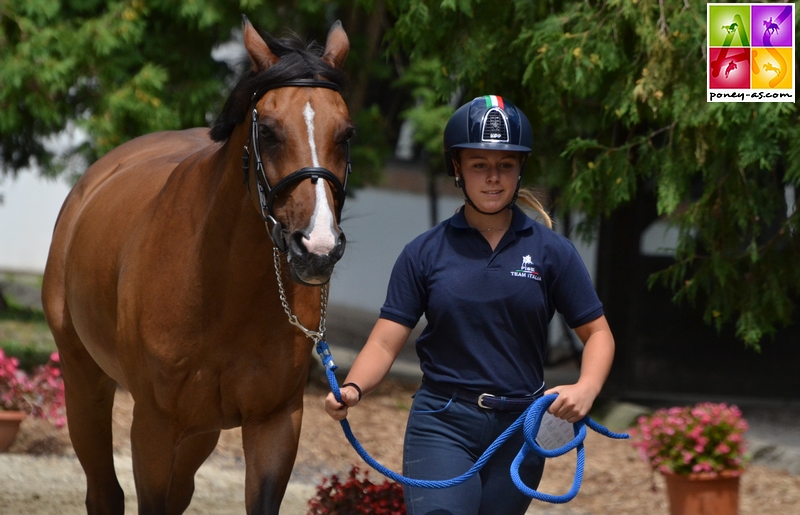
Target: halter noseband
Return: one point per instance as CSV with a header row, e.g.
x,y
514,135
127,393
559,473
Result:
x,y
267,193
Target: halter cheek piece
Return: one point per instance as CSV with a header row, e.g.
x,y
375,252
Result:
x,y
267,193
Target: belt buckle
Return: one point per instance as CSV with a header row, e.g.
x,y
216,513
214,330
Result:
x,y
483,396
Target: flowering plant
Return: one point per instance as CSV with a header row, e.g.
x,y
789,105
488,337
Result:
x,y
357,496
40,394
707,438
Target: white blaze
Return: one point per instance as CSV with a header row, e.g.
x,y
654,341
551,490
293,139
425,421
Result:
x,y
321,238
308,114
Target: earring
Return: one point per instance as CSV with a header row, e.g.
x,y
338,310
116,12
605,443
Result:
x,y
458,181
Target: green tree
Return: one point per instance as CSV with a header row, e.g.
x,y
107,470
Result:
x,y
616,91
118,69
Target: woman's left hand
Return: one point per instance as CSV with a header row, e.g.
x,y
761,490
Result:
x,y
573,402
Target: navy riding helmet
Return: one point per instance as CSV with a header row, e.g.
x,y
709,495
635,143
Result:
x,y
489,122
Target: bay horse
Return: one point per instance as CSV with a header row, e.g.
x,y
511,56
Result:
x,y
163,279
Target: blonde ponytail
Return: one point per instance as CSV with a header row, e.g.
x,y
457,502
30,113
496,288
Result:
x,y
530,203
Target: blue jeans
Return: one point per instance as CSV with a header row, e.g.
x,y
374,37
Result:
x,y
444,438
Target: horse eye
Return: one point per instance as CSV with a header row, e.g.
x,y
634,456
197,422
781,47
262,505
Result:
x,y
266,134
348,135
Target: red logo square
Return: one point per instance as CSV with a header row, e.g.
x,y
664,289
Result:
x,y
729,68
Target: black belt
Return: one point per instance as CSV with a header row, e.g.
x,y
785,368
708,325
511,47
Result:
x,y
482,400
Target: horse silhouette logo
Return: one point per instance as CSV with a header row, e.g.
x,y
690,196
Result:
x,y
526,260
771,27
770,68
731,28
731,66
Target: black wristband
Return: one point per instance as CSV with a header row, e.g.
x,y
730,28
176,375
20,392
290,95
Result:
x,y
354,385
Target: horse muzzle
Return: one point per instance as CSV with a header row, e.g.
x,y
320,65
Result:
x,y
313,268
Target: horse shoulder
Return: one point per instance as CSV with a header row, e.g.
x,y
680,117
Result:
x,y
101,226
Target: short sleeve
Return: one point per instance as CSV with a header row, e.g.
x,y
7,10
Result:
x,y
573,294
405,296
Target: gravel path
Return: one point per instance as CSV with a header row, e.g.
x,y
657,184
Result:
x,y
41,476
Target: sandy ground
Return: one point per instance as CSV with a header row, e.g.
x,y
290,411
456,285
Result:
x,y
41,476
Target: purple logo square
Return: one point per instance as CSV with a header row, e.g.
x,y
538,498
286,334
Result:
x,y
771,25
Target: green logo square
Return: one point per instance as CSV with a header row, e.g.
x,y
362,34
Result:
x,y
729,25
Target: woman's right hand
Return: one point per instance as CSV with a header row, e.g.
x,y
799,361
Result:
x,y
336,409
370,366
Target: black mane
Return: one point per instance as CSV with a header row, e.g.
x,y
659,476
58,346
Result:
x,y
298,60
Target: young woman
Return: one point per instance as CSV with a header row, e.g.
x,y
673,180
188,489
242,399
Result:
x,y
488,281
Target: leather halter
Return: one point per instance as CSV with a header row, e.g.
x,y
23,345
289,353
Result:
x,y
267,193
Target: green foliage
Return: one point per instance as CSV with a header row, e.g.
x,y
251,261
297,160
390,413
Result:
x,y
616,94
10,309
98,64
121,68
429,115
369,147
29,356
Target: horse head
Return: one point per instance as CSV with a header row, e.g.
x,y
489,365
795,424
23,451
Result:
x,y
297,131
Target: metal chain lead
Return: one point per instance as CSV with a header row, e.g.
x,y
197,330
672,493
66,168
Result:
x,y
318,335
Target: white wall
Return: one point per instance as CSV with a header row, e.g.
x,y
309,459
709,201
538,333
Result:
x,y
27,217
377,222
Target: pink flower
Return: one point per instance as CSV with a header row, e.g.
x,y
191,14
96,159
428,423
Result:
x,y
681,440
42,394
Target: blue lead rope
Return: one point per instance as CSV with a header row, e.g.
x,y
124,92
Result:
x,y
531,420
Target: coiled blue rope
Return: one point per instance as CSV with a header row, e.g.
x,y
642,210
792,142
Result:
x,y
531,420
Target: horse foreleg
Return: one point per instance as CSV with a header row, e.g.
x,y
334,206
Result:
x,y
90,398
191,454
270,448
163,466
153,443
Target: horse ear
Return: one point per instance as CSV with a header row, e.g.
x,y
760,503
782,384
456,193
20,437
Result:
x,y
260,54
337,46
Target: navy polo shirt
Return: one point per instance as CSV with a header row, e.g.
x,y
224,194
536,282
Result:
x,y
488,311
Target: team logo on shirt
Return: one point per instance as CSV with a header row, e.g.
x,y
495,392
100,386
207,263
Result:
x,y
527,269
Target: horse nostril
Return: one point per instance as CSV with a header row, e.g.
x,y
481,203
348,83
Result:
x,y
297,243
338,249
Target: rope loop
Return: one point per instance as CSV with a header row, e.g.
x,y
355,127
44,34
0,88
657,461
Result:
x,y
530,421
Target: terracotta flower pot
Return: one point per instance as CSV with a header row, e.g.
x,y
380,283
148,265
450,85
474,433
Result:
x,y
9,426
703,494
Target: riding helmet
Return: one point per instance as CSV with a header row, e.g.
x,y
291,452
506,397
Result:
x,y
489,122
